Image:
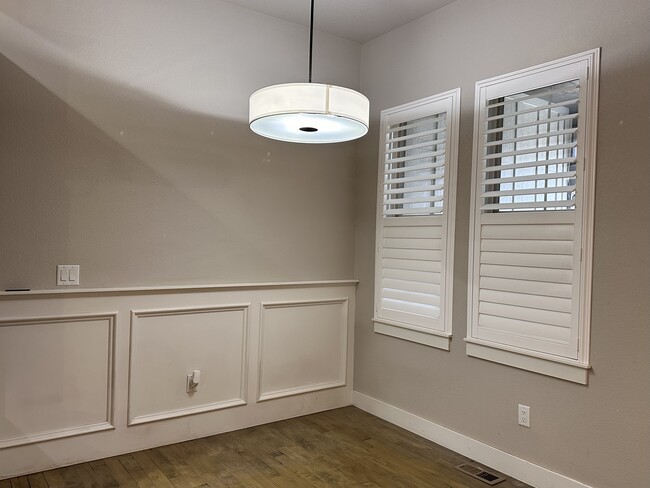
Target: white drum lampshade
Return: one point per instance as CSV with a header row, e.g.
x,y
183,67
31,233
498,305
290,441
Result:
x,y
309,113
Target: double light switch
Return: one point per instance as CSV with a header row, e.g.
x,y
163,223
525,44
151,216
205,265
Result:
x,y
67,274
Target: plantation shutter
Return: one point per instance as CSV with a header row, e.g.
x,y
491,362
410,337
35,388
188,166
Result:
x,y
526,281
414,166
526,274
529,150
412,215
411,274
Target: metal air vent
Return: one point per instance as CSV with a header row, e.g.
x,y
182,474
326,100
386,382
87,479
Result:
x,y
480,474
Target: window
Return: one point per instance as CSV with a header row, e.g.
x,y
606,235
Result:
x,y
530,150
415,220
531,235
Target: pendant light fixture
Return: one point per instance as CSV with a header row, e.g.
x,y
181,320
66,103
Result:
x,y
309,112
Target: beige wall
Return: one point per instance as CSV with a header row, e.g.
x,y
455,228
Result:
x,y
598,434
125,148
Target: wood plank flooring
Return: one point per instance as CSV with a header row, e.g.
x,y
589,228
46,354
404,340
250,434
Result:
x,y
339,448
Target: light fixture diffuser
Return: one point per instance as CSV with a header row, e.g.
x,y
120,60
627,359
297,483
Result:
x,y
310,113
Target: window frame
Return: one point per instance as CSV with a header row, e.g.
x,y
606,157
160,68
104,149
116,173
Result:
x,y
571,369
440,339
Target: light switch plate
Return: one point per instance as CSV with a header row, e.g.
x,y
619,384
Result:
x,y
67,274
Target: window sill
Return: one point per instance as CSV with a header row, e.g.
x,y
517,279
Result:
x,y
412,333
556,367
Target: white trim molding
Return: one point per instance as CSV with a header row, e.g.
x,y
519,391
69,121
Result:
x,y
157,290
194,409
509,464
311,387
182,412
72,430
413,333
51,435
538,363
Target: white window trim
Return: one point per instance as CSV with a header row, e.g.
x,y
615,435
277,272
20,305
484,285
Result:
x,y
568,369
400,330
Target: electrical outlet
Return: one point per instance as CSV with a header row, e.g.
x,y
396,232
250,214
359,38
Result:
x,y
192,382
190,386
523,417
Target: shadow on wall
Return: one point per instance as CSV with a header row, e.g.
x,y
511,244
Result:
x,y
140,192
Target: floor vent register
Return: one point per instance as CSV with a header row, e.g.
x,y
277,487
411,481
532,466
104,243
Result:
x,y
480,474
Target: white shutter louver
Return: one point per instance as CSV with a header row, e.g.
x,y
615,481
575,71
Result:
x,y
411,270
415,166
527,276
413,213
529,150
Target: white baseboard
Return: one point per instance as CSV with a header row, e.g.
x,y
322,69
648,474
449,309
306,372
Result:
x,y
518,468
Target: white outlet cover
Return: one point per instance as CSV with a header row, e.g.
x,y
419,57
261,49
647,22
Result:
x,y
523,415
188,384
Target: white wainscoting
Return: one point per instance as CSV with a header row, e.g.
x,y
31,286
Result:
x,y
88,374
167,345
302,347
46,394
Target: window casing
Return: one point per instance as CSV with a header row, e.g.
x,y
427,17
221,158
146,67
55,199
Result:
x,y
532,221
415,220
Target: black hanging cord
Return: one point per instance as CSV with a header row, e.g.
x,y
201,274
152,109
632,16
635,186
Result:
x,y
311,37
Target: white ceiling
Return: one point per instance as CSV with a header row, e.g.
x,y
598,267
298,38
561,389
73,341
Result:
x,y
356,20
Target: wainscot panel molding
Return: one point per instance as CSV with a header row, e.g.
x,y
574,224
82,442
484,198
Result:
x,y
81,383
302,347
169,344
46,395
509,464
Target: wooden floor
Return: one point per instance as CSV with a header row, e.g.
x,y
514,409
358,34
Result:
x,y
339,448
